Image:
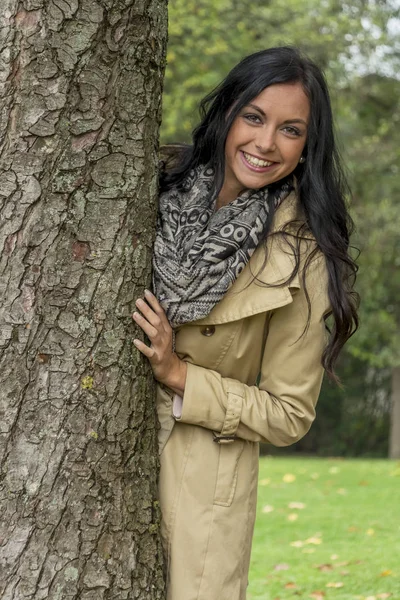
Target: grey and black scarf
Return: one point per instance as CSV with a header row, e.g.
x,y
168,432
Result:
x,y
198,253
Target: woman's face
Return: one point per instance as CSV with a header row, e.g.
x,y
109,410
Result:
x,y
266,139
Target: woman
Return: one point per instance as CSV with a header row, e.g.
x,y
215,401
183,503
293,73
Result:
x,y
251,257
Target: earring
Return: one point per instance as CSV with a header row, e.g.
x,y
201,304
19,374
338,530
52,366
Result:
x,y
302,159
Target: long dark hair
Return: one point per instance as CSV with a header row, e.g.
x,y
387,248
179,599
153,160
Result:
x,y
321,184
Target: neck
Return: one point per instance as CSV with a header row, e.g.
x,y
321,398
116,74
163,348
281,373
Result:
x,y
227,194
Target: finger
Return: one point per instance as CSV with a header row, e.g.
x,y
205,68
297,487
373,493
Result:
x,y
149,313
149,330
144,349
154,303
158,309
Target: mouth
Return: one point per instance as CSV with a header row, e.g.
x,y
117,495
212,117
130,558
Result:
x,y
256,164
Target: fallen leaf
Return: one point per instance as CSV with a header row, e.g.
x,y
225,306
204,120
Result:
x,y
385,573
297,544
325,567
334,584
345,572
308,550
334,556
370,531
267,508
290,585
352,528
298,505
342,491
317,595
281,567
314,475
264,481
343,564
370,598
334,470
289,478
363,482
314,540
384,596
293,517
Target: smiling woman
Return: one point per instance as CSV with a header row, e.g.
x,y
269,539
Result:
x,y
266,139
250,258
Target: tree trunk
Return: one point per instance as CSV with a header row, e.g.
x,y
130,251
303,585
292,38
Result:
x,y
80,90
394,442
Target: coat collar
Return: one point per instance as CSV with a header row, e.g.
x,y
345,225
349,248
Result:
x,y
248,296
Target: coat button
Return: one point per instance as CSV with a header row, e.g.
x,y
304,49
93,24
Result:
x,y
209,330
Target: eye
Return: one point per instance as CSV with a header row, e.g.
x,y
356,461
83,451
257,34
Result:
x,y
252,118
292,130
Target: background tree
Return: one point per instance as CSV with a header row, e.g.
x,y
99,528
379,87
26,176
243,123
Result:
x,y
370,130
80,89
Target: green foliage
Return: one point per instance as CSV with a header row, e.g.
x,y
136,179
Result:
x,y
208,37
370,118
353,421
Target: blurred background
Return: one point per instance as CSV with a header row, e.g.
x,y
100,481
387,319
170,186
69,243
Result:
x,y
358,46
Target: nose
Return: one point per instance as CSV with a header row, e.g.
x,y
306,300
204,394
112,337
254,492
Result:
x,y
266,141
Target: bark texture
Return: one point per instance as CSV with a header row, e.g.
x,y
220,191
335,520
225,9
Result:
x,y
80,94
394,442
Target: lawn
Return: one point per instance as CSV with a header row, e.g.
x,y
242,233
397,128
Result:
x,y
326,529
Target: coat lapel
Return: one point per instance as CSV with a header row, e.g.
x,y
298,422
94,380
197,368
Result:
x,y
250,295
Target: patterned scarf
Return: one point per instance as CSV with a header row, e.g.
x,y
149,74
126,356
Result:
x,y
198,253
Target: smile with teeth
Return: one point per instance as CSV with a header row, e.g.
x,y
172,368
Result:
x,y
257,162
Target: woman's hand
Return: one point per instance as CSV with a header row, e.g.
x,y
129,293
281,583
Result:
x,y
167,367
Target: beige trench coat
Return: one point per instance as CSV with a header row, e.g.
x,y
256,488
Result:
x,y
208,485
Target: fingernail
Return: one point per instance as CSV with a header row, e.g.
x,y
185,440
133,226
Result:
x,y
148,293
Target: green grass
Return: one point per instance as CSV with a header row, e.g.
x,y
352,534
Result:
x,y
348,530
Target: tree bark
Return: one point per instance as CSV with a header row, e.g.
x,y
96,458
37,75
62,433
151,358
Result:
x,y
394,441
80,95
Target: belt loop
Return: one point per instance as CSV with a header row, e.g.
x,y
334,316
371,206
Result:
x,y
221,439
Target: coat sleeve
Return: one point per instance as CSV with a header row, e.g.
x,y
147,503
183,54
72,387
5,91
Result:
x,y
281,408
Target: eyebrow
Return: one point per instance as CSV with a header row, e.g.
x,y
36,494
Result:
x,y
258,109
